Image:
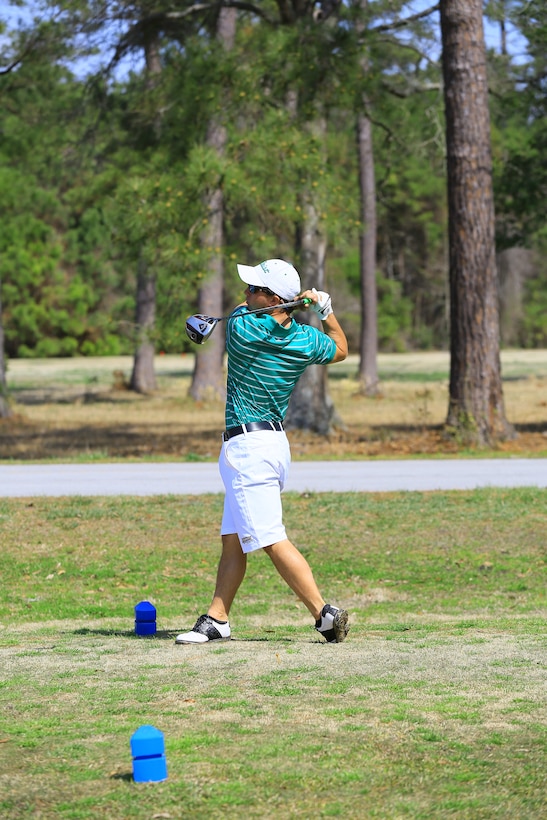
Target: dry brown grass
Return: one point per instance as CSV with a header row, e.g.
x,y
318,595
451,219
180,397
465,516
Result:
x,y
79,408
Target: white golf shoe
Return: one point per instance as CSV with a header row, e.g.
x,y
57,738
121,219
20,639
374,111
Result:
x,y
204,630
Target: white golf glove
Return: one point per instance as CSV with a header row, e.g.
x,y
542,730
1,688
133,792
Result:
x,y
323,306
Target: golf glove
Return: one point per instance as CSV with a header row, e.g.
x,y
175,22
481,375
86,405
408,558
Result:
x,y
323,306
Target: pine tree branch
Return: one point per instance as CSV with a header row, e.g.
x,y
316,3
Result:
x,y
413,88
396,24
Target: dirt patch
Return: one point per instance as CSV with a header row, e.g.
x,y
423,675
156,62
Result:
x,y
468,664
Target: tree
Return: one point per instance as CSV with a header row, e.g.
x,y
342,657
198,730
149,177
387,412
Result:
x,y
476,409
81,157
311,406
207,378
368,340
518,109
143,377
57,277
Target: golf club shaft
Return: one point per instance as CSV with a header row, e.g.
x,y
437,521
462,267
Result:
x,y
199,327
281,306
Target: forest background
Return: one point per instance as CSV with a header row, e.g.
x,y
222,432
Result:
x,y
106,167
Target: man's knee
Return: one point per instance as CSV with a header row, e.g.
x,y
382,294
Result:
x,y
279,548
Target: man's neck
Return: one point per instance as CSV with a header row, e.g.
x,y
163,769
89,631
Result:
x,y
282,317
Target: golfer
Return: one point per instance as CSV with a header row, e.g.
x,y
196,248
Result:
x,y
267,353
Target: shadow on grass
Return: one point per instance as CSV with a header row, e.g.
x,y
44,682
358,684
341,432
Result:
x,y
265,639
25,441
37,398
161,634
171,634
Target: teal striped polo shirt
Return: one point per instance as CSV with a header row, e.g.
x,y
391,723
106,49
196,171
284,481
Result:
x,y
265,360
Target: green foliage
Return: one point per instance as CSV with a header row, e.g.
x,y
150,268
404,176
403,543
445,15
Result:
x,y
520,179
533,332
101,176
51,303
59,285
519,140
157,219
274,173
394,315
520,130
394,309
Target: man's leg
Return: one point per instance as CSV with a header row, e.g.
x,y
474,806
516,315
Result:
x,y
231,572
296,572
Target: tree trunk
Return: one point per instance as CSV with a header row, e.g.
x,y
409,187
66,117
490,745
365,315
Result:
x,y
503,27
5,409
311,407
143,378
368,338
368,344
476,411
208,378
208,381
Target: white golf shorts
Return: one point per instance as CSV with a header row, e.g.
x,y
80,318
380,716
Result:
x,y
254,468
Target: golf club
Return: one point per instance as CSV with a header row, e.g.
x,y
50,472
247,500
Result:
x,y
199,327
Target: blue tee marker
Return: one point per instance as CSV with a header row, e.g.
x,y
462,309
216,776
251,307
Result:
x,y
148,752
145,618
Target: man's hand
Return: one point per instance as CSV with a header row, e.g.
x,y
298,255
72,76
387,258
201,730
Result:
x,y
322,304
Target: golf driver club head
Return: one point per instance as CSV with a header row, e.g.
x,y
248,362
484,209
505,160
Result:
x,y
199,327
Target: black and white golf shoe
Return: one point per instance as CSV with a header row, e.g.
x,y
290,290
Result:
x,y
204,630
333,624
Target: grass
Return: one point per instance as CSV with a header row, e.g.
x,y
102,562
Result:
x,y
433,707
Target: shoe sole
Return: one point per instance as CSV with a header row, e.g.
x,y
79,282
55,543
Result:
x,y
203,643
340,626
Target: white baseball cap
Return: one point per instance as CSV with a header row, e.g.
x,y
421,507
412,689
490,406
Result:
x,y
279,276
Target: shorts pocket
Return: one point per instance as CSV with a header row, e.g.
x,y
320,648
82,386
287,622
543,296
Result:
x,y
237,454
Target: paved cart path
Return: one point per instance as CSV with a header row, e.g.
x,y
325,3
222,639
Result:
x,y
29,480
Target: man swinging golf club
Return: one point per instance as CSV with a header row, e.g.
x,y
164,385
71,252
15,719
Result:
x,y
267,353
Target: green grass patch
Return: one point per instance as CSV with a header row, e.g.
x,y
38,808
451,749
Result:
x,y
433,707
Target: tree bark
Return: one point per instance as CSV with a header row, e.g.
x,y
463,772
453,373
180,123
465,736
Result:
x,y
208,377
368,337
208,381
143,378
476,411
368,342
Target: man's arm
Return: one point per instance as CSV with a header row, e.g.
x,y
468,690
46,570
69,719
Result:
x,y
321,304
331,327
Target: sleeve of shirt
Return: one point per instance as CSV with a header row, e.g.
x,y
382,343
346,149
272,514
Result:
x,y
234,325
324,346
